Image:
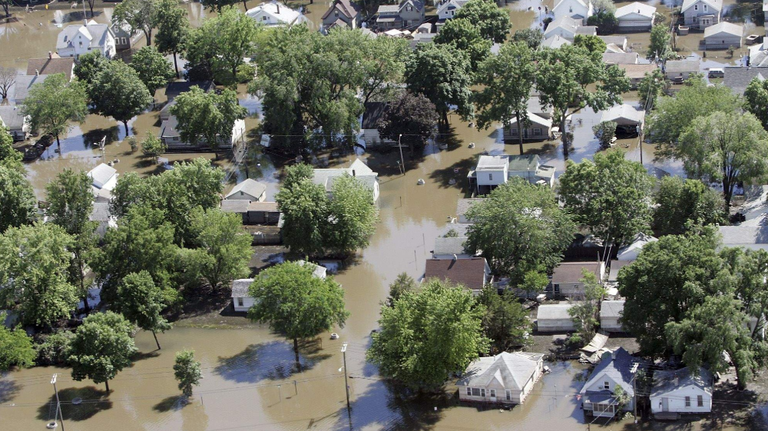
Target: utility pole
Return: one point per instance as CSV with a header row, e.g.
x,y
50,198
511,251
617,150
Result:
x,y
402,162
346,384
59,415
634,389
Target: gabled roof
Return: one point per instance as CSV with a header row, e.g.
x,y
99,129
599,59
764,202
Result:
x,y
637,71
463,205
571,272
11,117
738,78
618,369
249,187
103,176
620,58
560,3
469,272
565,22
714,4
347,8
240,287
50,66
511,370
535,119
374,111
554,311
449,245
318,270
357,169
624,112
417,4
527,162
616,265
611,309
725,28
635,8
669,381
634,248
277,10
682,65
94,32
554,42
178,87
451,4
24,83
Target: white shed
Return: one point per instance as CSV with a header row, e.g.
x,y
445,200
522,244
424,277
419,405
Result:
x,y
681,392
723,35
240,298
632,250
610,314
554,318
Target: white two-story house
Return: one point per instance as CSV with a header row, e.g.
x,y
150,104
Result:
x,y
700,14
577,9
275,14
78,39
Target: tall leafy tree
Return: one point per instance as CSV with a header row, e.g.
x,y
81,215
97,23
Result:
x,y
141,302
505,82
728,147
505,321
153,147
756,100
651,87
520,228
53,104
218,5
207,117
682,203
465,36
187,371
9,156
659,46
295,174
570,79
152,68
172,29
223,247
593,44
18,205
352,216
383,65
16,348
70,204
442,74
493,21
88,67
34,273
138,15
118,92
296,303
401,285
611,196
585,315
305,211
101,348
412,116
531,37
426,361
604,17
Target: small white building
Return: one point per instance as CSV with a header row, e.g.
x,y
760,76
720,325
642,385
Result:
x,y
681,392
171,136
448,8
723,35
506,379
555,318
632,250
248,189
635,17
492,171
611,312
566,277
578,9
680,70
537,129
627,118
16,123
275,14
241,299
358,169
104,179
78,39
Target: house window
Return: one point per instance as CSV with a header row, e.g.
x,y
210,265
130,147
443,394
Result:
x,y
700,400
469,391
240,301
476,392
513,131
482,392
687,401
536,131
695,7
607,385
409,8
493,393
263,18
509,394
490,176
705,8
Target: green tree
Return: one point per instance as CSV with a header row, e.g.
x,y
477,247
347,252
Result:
x,y
53,104
605,21
505,322
651,87
88,67
54,349
729,147
611,196
591,43
207,117
585,314
659,45
101,348
383,65
153,147
442,74
172,29
305,211
141,302
465,36
223,247
296,303
295,174
673,115
18,205
669,277
682,203
352,216
493,21
9,156
218,5
604,132
520,228
138,15
34,273
15,348
756,100
6,4
426,361
152,68
401,285
187,371
412,116
570,79
506,81
70,204
531,37
118,92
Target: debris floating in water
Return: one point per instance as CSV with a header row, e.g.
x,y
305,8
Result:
x,y
420,182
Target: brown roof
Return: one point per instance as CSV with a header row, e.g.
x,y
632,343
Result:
x,y
571,272
637,70
469,272
347,8
50,66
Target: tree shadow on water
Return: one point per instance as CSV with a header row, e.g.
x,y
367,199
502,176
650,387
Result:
x,y
269,361
8,390
456,173
93,401
171,403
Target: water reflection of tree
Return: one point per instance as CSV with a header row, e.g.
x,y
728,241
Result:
x,y
269,361
8,390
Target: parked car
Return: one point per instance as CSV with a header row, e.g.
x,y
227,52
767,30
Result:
x,y
716,73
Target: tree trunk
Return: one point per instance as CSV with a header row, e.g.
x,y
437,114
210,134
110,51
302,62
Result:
x,y
564,138
727,194
739,385
106,383
520,131
234,73
296,353
156,341
148,34
245,6
175,65
90,6
127,132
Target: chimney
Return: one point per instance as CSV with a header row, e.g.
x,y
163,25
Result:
x,y
613,355
50,55
353,173
37,72
277,5
455,257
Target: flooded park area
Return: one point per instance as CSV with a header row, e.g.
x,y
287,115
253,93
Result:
x,y
248,380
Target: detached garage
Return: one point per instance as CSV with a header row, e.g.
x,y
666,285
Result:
x,y
554,318
723,35
635,17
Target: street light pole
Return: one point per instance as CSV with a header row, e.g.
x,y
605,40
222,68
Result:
x,y
399,146
58,403
346,384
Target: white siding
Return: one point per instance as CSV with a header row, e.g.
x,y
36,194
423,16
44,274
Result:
x,y
491,177
676,401
247,303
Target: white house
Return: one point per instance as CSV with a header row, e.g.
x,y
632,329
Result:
x,y
171,137
358,169
275,14
373,113
537,129
678,70
555,318
629,120
104,178
635,17
578,9
78,39
242,301
632,250
15,122
700,14
723,35
681,392
492,171
566,277
505,379
747,237
610,315
248,189
564,26
555,41
614,370
448,8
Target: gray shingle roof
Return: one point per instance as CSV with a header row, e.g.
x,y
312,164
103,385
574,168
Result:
x,y
248,187
611,309
513,370
12,117
738,78
449,245
666,381
682,66
97,34
240,287
554,311
571,272
618,369
744,235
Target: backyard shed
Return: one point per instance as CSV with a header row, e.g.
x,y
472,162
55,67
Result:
x,y
554,318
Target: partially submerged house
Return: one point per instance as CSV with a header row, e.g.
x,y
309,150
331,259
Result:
x,y
635,17
629,120
75,40
50,65
746,237
104,180
124,37
373,113
275,14
566,278
171,137
507,378
611,312
555,318
617,369
15,122
636,72
536,129
632,250
492,171
241,299
700,14
473,273
447,9
341,14
738,78
723,35
358,169
249,190
576,9
680,70
680,392
567,28
408,14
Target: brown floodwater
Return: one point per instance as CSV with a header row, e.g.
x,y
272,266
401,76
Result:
x,y
248,381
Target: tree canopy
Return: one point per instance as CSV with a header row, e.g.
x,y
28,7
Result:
x,y
152,68
88,67
531,37
505,321
412,116
659,45
206,117
187,371
138,15
54,103
172,29
492,21
18,205
683,203
465,36
223,247
141,302
756,100
118,92
16,347
443,74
